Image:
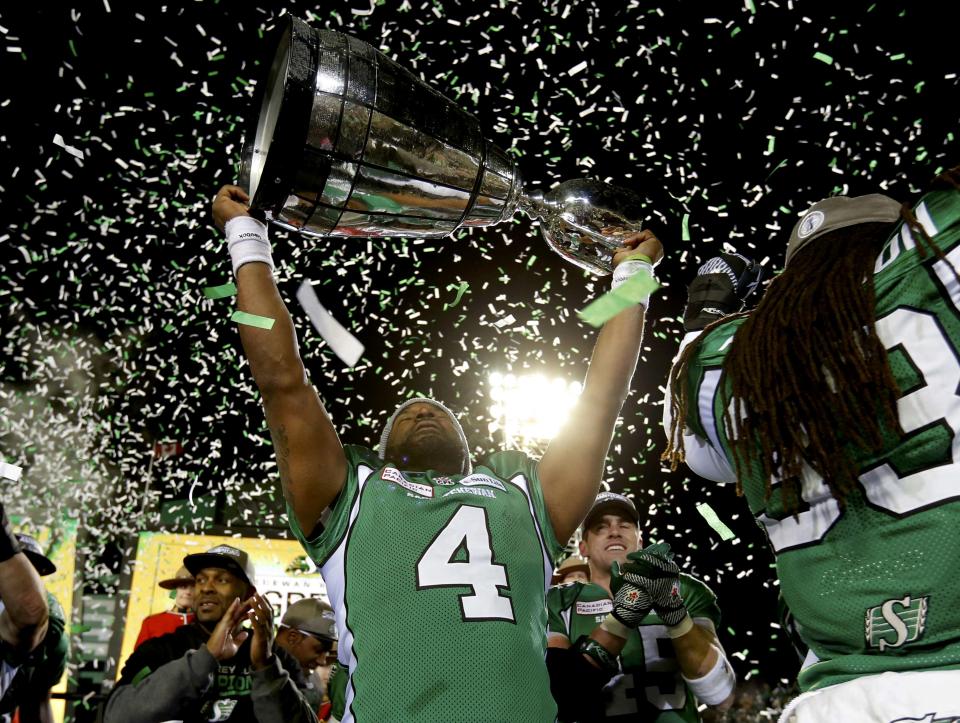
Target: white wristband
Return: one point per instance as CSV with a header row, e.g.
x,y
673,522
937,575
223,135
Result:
x,y
681,628
628,269
716,686
247,242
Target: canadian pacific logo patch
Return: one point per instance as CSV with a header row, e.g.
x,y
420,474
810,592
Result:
x,y
596,607
392,474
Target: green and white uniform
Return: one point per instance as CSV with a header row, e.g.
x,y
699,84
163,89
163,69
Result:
x,y
873,588
649,687
438,582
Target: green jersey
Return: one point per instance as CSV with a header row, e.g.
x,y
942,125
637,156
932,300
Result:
x,y
439,583
649,686
873,587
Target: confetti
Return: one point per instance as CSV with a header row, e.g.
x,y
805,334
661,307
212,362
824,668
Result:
x,y
714,521
629,293
10,471
108,341
220,292
344,344
261,322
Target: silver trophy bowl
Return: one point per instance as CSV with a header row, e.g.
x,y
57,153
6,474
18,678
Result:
x,y
345,142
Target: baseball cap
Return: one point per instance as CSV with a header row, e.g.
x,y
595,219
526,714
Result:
x,y
313,616
571,564
181,579
225,557
34,553
839,212
613,503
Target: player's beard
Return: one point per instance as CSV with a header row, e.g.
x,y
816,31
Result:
x,y
436,452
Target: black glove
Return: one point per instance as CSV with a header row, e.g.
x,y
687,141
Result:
x,y
722,286
652,569
631,603
9,544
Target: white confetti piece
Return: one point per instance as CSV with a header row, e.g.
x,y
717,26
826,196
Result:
x,y
58,141
10,471
344,344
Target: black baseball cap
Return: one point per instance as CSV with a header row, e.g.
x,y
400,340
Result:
x,y
611,502
34,553
225,557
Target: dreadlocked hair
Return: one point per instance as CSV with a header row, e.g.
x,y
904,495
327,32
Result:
x,y
809,377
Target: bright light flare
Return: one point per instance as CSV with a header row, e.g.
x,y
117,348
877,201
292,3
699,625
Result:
x,y
530,408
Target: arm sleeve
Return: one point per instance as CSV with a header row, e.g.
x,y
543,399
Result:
x,y
700,600
337,690
144,633
322,541
559,601
276,699
701,456
149,695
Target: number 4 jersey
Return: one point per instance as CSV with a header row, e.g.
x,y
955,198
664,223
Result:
x,y
873,587
649,686
438,582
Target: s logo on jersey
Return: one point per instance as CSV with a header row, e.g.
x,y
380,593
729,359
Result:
x,y
896,622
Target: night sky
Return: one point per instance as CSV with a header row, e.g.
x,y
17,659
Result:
x,y
120,119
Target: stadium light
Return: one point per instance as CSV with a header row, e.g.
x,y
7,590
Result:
x,y
529,409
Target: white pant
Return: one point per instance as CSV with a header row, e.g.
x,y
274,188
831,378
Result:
x,y
921,697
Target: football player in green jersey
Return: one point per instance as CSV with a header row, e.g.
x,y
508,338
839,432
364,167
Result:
x,y
425,557
833,407
669,655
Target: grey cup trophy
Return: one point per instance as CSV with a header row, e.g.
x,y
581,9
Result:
x,y
345,142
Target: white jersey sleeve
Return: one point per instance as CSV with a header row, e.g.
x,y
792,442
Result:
x,y
701,456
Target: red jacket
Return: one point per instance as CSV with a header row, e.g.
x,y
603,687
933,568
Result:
x,y
159,624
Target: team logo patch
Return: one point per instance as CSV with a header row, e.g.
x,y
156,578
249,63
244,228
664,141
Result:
x,y
675,590
810,223
896,622
445,481
392,474
482,479
224,550
597,607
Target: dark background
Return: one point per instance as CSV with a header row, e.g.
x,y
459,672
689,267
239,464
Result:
x,y
730,124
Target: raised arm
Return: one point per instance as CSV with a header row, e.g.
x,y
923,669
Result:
x,y
23,621
572,466
310,458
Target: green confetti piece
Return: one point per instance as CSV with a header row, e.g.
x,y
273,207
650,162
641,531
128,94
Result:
x,y
261,322
685,228
710,516
750,6
629,293
823,57
460,289
219,292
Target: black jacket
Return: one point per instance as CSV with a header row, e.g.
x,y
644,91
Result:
x,y
174,677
